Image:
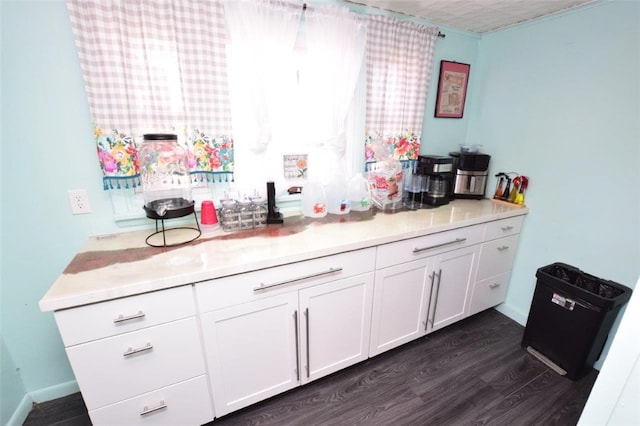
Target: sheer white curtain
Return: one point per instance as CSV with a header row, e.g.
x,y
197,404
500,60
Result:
x,y
399,63
335,47
261,73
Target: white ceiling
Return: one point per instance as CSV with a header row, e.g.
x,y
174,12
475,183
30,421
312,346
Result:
x,y
476,16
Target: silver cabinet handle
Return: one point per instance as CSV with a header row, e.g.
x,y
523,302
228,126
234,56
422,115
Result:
x,y
295,322
426,321
507,228
122,318
306,314
264,286
435,305
503,248
494,285
146,410
448,243
132,351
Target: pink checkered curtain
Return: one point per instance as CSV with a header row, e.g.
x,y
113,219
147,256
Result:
x,y
153,66
399,59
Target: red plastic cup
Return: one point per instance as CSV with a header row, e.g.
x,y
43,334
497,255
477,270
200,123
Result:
x,y
208,216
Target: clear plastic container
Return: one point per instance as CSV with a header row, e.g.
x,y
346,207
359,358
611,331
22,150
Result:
x,y
385,178
314,200
359,193
337,197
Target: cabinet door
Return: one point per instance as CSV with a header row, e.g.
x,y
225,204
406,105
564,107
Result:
x,y
400,300
454,272
251,351
335,325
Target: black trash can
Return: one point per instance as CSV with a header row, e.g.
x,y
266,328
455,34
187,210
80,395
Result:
x,y
570,318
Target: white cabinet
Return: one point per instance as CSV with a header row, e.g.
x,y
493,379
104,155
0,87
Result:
x,y
453,274
496,260
252,350
335,323
416,297
290,325
133,358
401,296
167,357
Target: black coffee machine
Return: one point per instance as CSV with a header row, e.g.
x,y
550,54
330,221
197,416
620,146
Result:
x,y
470,174
437,178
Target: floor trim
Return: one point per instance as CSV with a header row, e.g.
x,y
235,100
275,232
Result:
x,y
41,395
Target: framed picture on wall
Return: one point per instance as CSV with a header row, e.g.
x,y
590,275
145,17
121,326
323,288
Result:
x,y
452,89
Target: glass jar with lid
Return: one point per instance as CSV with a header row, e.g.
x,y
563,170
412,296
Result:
x,y
245,214
229,217
259,210
164,173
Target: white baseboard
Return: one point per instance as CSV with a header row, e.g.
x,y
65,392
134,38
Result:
x,y
517,316
38,396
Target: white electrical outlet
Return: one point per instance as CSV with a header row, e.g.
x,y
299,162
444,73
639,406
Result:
x,y
79,201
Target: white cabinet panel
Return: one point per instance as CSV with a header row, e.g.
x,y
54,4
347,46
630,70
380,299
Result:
x,y
401,297
335,325
229,291
252,350
497,257
452,291
429,245
115,368
488,293
503,228
185,403
91,322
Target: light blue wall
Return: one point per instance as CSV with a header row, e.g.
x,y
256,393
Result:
x,y
45,151
550,100
559,101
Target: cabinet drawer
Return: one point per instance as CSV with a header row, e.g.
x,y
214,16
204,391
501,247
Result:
x,y
429,245
503,228
185,403
496,257
92,322
115,368
236,289
489,293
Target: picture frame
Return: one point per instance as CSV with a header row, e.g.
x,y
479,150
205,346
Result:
x,y
452,89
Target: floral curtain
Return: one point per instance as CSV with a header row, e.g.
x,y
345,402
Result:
x,y
399,61
155,66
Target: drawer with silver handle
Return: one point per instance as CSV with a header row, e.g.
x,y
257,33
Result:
x,y
233,290
123,366
183,403
428,245
496,257
92,322
488,293
503,228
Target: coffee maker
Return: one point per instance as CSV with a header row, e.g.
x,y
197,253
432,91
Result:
x,y
470,174
437,172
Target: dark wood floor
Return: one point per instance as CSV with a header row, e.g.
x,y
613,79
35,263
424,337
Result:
x,y
471,373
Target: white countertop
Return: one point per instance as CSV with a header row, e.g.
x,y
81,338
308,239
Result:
x,y
121,265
